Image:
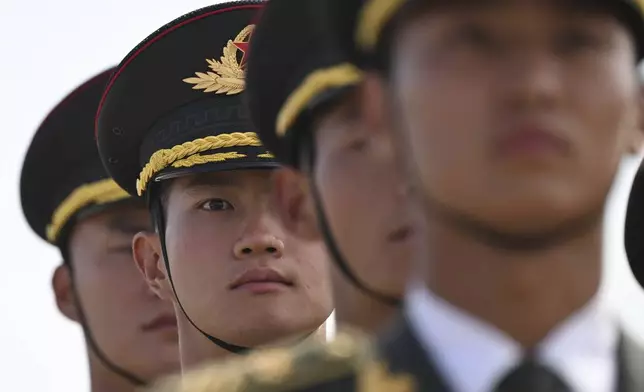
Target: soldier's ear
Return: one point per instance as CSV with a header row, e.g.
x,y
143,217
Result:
x,y
62,284
295,203
148,257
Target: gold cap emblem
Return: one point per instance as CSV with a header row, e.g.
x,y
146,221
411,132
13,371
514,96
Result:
x,y
226,76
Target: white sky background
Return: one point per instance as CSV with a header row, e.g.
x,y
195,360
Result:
x,y
46,49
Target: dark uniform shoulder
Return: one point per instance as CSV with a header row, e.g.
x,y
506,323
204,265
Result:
x,y
310,365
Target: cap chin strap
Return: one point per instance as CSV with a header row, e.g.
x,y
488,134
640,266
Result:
x,y
159,219
94,347
339,259
323,224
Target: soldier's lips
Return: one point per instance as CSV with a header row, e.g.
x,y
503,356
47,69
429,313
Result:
x,y
164,321
531,138
400,234
261,281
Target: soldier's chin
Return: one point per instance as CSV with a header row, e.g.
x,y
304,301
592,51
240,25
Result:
x,y
524,233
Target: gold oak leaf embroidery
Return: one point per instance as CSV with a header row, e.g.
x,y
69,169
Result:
x,y
217,378
375,377
271,366
343,346
226,76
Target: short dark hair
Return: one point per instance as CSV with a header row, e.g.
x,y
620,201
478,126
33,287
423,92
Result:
x,y
63,247
158,195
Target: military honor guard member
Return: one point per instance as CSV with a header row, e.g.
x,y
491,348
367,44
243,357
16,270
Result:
x,y
342,187
69,201
358,177
511,118
369,282
514,116
173,128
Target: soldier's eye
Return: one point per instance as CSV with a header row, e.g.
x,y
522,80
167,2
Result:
x,y
216,205
475,37
575,39
358,144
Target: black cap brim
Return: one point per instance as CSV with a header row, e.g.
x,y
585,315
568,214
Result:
x,y
634,227
177,100
62,156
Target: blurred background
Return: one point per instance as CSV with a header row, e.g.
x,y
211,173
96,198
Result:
x,y
46,49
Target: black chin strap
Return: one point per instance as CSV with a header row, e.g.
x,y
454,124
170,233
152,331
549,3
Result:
x,y
329,240
339,259
157,213
93,345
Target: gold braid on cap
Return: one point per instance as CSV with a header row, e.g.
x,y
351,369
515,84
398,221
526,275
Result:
x,y
316,83
187,154
99,192
372,19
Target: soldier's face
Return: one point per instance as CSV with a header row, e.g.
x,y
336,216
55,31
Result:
x,y
238,273
364,202
364,199
135,329
514,114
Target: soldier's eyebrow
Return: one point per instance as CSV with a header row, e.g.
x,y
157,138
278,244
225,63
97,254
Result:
x,y
124,225
213,180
